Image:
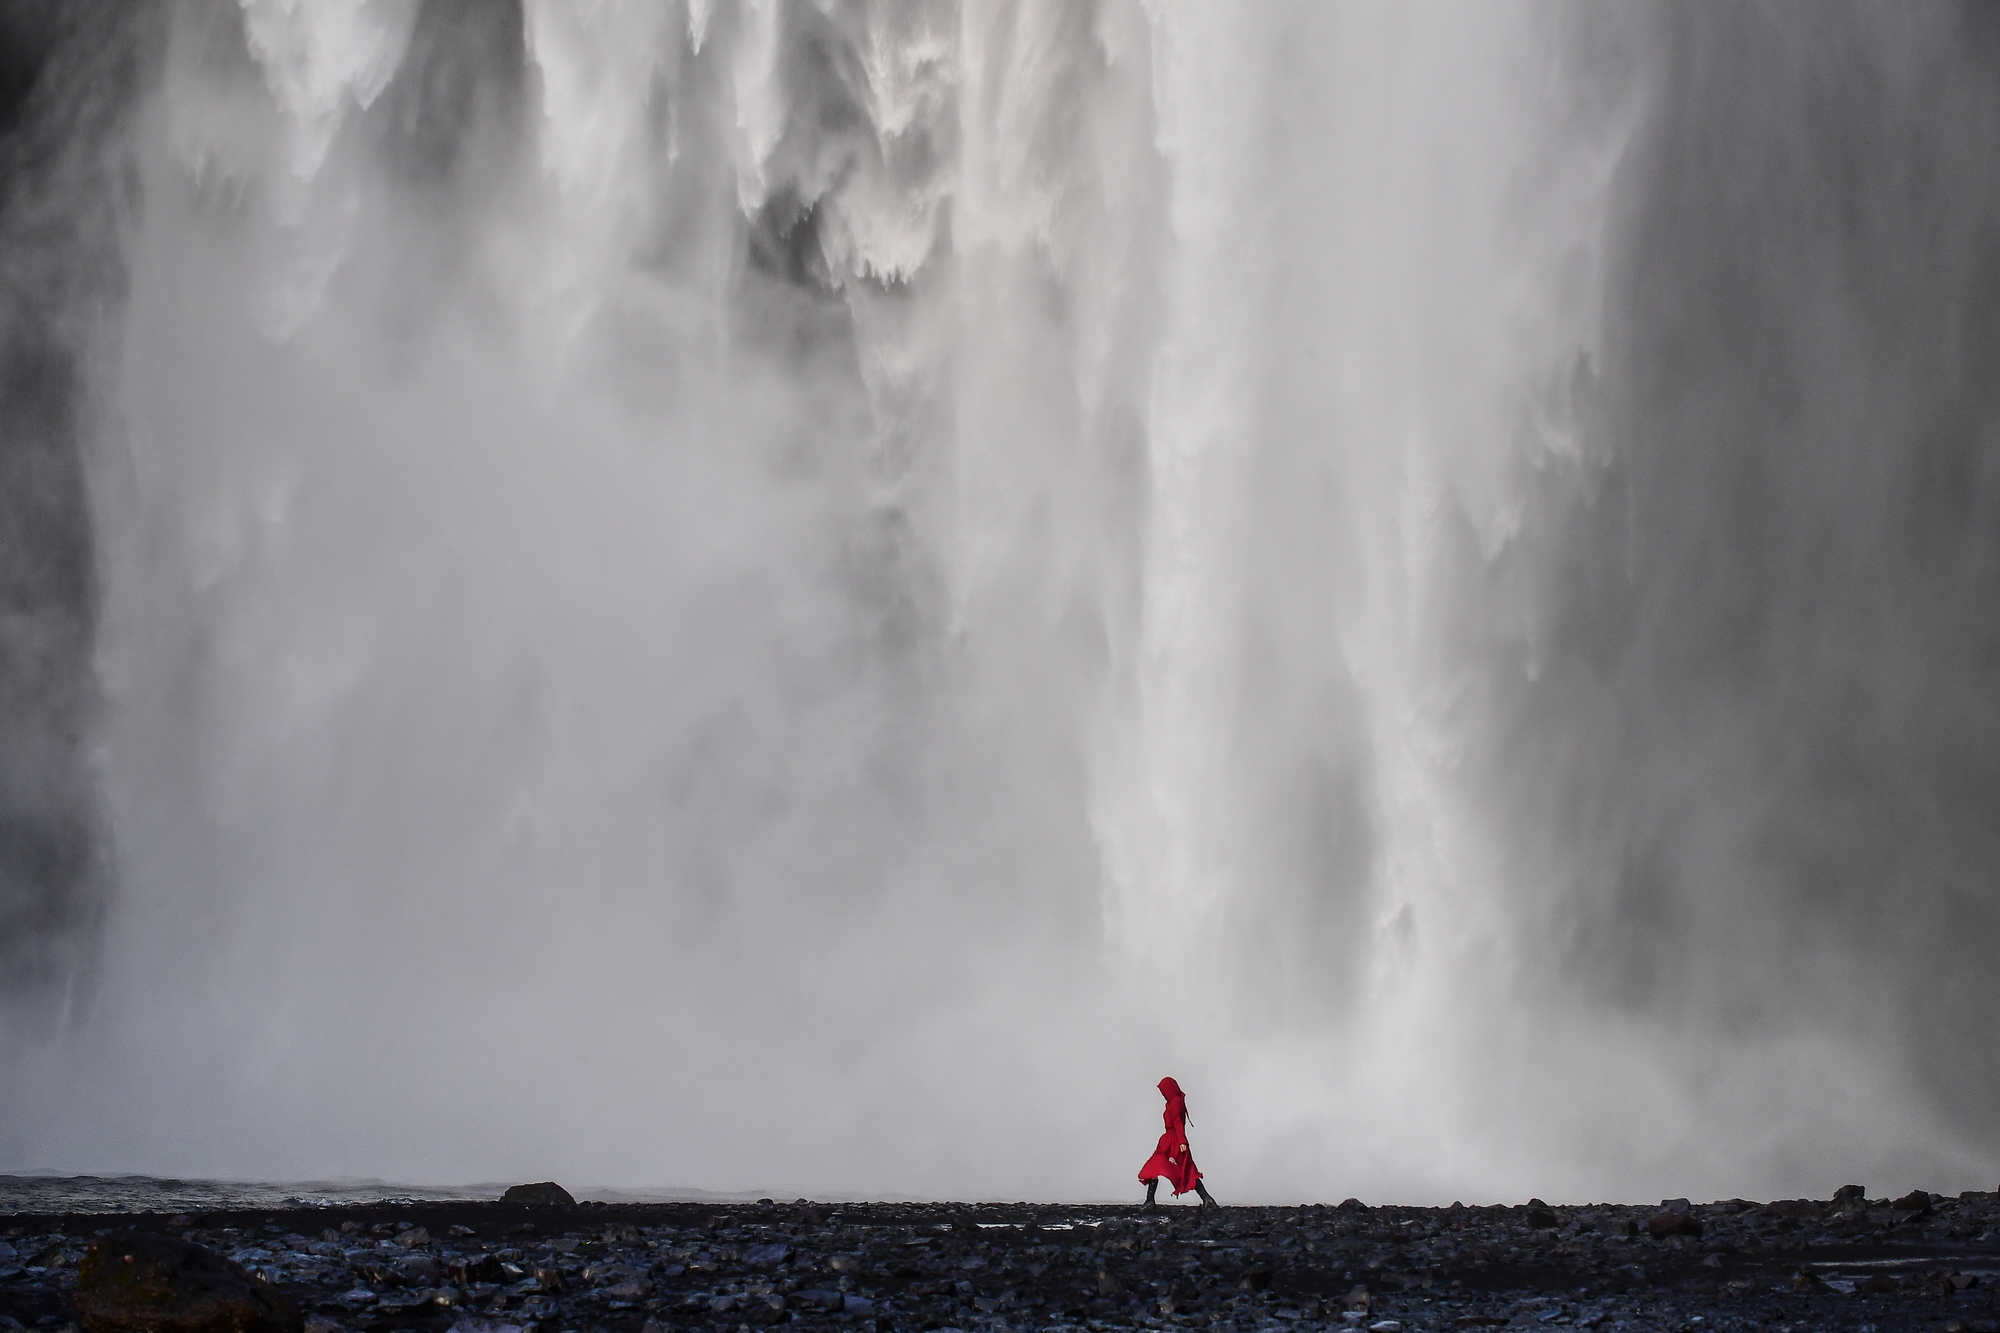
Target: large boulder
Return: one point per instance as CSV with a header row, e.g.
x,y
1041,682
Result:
x,y
1672,1223
547,1194
139,1282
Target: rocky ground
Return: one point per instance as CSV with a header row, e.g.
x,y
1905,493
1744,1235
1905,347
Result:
x,y
1922,1261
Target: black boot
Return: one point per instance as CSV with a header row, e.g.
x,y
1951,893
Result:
x,y
1152,1187
1207,1199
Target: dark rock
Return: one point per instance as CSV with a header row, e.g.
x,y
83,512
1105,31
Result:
x,y
1851,1196
817,1298
486,1268
1916,1201
1353,1206
546,1194
762,1311
414,1238
1540,1218
1936,1282
1357,1298
1879,1284
766,1256
1676,1206
137,1282
1663,1225
419,1270
1798,1210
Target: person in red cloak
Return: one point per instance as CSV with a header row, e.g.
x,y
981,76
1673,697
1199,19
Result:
x,y
1171,1161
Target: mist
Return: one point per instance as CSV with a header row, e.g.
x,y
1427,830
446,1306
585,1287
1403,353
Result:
x,y
810,596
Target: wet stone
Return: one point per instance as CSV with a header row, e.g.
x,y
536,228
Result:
x,y
419,1271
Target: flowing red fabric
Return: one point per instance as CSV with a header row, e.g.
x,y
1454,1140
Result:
x,y
1171,1161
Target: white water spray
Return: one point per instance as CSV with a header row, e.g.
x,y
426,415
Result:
x,y
811,595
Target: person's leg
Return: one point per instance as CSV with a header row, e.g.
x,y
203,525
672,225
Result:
x,y
1152,1187
1207,1199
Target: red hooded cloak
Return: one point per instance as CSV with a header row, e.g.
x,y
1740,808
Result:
x,y
1171,1161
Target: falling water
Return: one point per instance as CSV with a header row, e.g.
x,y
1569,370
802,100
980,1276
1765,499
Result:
x,y
812,594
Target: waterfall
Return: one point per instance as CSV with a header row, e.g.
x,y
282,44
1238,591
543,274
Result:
x,y
811,594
